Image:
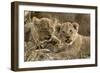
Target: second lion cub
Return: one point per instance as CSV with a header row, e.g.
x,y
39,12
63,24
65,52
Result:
x,y
74,45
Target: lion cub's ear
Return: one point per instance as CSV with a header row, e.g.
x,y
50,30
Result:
x,y
75,25
57,28
35,20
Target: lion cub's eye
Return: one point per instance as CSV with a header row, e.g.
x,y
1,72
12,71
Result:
x,y
71,31
63,31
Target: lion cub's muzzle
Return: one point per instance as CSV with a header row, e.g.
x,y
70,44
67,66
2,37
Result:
x,y
68,39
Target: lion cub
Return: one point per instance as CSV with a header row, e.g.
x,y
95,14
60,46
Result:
x,y
75,45
44,43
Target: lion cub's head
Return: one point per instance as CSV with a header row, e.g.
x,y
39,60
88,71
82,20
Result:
x,y
44,28
67,32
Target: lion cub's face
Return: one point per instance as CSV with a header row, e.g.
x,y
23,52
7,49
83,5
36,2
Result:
x,y
44,28
67,32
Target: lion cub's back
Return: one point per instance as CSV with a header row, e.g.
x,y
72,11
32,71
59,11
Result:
x,y
85,48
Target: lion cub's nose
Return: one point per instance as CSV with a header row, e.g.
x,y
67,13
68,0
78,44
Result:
x,y
67,37
48,37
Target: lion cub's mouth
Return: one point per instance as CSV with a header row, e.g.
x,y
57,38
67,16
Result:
x,y
68,41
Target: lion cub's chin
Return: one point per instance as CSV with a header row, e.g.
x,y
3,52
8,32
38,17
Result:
x,y
69,43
